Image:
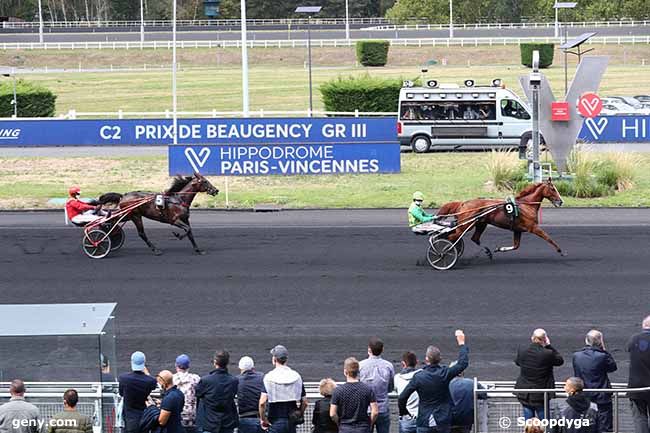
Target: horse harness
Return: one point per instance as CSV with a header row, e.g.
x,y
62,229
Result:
x,y
511,208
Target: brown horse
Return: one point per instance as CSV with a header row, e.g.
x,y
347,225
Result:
x,y
528,200
175,209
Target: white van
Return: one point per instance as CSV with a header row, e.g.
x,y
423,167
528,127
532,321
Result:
x,y
469,117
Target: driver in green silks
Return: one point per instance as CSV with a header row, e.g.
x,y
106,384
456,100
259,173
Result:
x,y
419,220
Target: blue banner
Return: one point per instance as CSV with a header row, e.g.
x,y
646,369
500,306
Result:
x,y
285,159
56,132
616,129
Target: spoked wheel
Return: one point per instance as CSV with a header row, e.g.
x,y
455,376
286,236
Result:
x,y
441,254
460,247
96,244
117,238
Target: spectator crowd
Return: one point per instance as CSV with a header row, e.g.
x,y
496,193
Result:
x,y
432,398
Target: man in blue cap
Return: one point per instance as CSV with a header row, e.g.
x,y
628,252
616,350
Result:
x,y
186,383
134,388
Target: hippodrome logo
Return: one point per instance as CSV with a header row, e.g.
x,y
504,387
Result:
x,y
9,133
197,160
596,128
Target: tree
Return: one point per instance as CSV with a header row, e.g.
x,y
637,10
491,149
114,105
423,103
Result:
x,y
434,11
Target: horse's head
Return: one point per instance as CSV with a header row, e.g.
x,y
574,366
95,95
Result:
x,y
550,192
201,184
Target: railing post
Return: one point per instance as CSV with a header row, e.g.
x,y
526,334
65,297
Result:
x,y
615,412
475,396
546,414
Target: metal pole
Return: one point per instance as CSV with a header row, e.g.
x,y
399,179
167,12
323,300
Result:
x,y
174,98
244,61
40,22
141,22
615,412
347,21
537,175
566,67
451,19
475,406
557,24
546,414
13,74
311,102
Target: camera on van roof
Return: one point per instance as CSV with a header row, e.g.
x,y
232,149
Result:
x,y
497,82
469,83
407,83
432,84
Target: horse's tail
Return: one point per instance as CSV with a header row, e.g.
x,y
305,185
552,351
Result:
x,y
110,197
450,208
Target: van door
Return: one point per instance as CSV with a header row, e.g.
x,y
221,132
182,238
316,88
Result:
x,y
515,120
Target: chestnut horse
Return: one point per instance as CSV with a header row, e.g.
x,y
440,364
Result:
x,y
175,211
528,200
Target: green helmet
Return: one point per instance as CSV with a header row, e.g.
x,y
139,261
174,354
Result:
x,y
417,195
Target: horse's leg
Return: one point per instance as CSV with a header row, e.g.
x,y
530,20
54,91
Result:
x,y
137,221
186,220
542,234
515,245
183,226
476,237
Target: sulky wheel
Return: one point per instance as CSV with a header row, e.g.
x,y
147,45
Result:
x,y
96,244
441,254
117,238
460,247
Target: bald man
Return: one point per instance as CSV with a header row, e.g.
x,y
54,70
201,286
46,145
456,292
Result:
x,y
172,403
536,362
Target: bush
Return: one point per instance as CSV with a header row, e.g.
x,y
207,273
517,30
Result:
x,y
546,52
364,93
372,53
33,100
617,170
565,187
505,171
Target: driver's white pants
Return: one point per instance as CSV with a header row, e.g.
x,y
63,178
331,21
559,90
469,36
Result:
x,y
86,217
427,227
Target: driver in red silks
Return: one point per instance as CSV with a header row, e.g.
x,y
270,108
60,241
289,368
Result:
x,y
78,211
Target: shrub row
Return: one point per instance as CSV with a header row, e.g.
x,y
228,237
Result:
x,y
364,93
372,53
33,100
546,52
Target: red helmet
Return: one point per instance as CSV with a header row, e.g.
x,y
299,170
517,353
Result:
x,y
74,191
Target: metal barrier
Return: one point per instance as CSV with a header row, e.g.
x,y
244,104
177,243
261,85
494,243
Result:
x,y
315,43
505,413
302,21
101,402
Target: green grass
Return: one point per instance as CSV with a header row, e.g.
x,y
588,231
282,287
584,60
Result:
x,y
272,87
30,182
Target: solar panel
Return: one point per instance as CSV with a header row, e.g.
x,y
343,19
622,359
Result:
x,y
308,9
564,5
576,41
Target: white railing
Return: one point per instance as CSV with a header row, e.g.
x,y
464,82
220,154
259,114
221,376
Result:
x,y
301,43
529,25
167,114
191,23
330,21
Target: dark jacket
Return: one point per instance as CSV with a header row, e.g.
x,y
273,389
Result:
x,y
579,416
215,397
149,421
639,348
135,387
536,372
251,385
321,420
592,364
432,386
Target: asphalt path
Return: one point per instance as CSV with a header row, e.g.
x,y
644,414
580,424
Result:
x,y
321,283
268,35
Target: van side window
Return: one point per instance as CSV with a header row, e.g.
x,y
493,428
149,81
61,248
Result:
x,y
448,110
512,108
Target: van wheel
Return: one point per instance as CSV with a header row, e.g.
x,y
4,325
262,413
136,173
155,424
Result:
x,y
420,144
526,141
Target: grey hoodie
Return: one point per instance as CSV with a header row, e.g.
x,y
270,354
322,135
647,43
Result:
x,y
401,380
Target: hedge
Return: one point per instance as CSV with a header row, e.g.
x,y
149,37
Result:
x,y
33,100
364,93
546,52
372,53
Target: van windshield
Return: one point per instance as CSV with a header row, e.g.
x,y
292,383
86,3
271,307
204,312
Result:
x,y
448,110
511,108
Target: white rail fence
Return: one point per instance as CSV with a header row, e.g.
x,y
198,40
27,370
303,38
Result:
x,y
168,114
322,43
383,22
